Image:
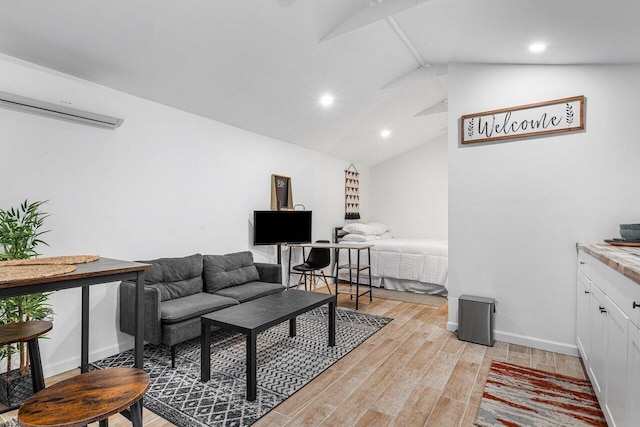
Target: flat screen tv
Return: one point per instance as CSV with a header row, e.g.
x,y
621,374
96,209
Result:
x,y
278,227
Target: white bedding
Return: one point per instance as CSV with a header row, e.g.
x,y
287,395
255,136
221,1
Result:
x,y
414,260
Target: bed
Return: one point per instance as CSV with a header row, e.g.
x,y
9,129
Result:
x,y
401,264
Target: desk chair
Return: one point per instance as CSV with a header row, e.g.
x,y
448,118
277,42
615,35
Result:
x,y
318,259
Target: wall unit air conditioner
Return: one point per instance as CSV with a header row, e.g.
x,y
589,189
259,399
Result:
x,y
48,109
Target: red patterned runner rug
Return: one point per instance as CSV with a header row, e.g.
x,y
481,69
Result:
x,y
518,396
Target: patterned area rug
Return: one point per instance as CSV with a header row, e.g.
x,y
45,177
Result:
x,y
285,365
518,396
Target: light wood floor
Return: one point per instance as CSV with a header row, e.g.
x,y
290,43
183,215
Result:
x,y
411,373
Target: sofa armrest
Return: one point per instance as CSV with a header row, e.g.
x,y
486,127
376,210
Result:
x,y
271,273
152,326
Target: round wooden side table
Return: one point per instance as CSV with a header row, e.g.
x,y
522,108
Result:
x,y
28,332
86,398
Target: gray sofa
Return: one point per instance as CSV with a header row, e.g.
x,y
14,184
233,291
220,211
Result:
x,y
178,291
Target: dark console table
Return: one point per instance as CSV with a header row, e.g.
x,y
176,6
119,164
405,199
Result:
x,y
104,270
253,317
350,266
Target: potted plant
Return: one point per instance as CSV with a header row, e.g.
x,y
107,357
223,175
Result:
x,y
20,231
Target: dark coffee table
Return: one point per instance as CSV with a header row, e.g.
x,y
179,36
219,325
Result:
x,y
253,317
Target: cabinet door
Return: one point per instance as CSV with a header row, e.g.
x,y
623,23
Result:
x,y
598,339
633,375
582,318
616,364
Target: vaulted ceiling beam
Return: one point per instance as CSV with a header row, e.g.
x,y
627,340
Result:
x,y
375,11
420,73
440,107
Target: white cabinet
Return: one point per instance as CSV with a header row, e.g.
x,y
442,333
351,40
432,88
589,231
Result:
x,y
582,319
633,374
597,367
608,338
616,364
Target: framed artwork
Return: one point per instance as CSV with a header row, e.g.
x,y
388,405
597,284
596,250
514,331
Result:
x,y
542,118
351,193
281,193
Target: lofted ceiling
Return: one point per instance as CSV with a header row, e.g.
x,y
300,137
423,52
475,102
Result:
x,y
261,65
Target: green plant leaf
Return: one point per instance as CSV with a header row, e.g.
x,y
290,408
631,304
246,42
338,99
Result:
x,y
19,236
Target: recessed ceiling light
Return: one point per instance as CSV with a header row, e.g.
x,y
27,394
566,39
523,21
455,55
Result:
x,y
385,133
537,47
326,100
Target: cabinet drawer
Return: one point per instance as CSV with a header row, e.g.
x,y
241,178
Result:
x,y
622,291
584,263
630,295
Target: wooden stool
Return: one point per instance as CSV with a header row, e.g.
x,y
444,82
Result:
x,y
28,332
86,398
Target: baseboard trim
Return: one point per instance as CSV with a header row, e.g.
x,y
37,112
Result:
x,y
74,362
533,342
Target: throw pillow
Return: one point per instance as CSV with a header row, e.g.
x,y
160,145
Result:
x,y
223,271
175,277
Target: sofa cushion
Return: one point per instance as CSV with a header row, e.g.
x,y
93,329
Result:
x,y
190,306
175,277
223,271
250,291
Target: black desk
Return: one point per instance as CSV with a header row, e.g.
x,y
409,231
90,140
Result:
x,y
253,317
104,270
350,266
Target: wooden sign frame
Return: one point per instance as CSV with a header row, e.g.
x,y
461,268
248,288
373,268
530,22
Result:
x,y
542,118
281,193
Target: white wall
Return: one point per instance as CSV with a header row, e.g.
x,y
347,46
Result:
x,y
166,183
517,208
410,191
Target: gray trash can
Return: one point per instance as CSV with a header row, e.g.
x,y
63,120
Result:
x,y
476,319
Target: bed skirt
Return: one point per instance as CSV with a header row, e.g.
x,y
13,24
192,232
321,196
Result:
x,y
399,284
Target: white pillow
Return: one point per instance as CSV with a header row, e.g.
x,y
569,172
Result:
x,y
359,238
374,228
356,228
378,228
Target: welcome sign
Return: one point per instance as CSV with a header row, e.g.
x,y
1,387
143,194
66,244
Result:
x,y
560,115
